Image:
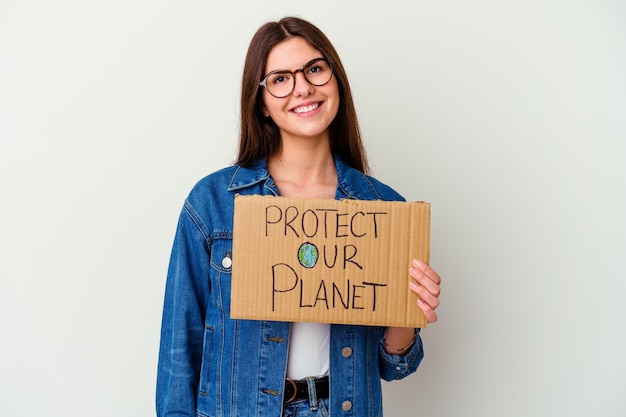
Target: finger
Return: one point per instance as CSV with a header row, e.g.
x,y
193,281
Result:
x,y
426,281
424,295
430,314
427,270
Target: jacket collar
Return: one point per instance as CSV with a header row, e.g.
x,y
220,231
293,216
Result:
x,y
245,177
352,184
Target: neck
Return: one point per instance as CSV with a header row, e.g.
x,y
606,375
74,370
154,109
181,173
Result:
x,y
304,170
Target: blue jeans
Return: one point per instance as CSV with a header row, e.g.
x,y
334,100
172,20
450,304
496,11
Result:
x,y
303,408
313,407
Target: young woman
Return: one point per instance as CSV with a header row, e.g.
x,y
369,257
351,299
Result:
x,y
299,138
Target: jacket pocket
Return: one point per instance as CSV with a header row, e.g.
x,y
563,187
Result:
x,y
206,386
221,267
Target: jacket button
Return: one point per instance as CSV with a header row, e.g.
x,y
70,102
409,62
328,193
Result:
x,y
346,405
227,262
346,352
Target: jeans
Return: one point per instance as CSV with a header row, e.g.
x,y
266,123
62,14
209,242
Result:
x,y
302,408
313,407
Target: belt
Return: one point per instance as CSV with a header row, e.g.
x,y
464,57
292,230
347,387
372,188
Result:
x,y
299,390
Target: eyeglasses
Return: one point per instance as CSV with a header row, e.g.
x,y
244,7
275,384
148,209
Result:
x,y
281,83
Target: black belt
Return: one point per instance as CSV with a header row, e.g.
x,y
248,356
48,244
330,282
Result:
x,y
299,390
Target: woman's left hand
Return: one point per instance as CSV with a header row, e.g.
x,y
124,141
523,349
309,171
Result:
x,y
425,284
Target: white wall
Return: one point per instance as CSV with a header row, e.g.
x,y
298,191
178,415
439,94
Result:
x,y
510,117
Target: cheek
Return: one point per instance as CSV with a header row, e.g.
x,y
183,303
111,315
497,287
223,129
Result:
x,y
271,105
335,107
264,106
335,96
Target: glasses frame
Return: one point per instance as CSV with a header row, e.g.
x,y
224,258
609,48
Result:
x,y
263,82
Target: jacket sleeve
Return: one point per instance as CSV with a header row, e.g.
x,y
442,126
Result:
x,y
184,309
394,367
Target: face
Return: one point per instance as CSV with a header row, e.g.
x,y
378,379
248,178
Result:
x,y
309,110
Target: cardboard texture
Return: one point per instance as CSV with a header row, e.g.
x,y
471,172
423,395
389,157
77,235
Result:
x,y
327,261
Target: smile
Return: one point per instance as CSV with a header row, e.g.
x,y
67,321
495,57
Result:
x,y
306,109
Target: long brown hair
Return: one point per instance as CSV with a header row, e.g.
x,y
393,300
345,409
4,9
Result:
x,y
259,135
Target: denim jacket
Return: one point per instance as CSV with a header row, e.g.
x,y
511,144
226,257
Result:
x,y
212,365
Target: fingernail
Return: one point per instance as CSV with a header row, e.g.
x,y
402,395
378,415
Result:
x,y
417,263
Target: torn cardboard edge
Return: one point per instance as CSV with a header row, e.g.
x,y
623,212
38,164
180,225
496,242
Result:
x,y
329,261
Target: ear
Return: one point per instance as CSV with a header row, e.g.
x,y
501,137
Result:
x,y
265,112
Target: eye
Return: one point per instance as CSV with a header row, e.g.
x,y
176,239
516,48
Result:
x,y
317,68
279,78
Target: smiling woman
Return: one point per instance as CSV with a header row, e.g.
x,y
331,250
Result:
x,y
299,138
306,112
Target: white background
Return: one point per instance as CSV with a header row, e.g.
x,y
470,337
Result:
x,y
508,116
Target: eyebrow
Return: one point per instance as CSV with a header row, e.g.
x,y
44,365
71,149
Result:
x,y
302,67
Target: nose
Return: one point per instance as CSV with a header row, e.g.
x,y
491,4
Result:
x,y
302,87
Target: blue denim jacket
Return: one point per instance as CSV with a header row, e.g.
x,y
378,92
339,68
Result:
x,y
212,365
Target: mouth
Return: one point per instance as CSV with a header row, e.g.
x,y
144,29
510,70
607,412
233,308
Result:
x,y
307,108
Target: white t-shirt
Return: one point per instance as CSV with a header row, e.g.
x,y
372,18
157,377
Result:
x,y
309,350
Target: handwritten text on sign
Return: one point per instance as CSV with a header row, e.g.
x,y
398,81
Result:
x,y
327,261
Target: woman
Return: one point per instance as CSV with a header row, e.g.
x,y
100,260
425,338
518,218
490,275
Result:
x,y
299,138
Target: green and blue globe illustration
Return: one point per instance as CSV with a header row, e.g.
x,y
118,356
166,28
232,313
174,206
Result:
x,y
308,255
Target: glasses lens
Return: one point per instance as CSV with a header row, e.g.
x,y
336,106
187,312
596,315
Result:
x,y
318,72
280,83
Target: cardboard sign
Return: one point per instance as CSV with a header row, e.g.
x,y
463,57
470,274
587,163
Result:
x,y
327,261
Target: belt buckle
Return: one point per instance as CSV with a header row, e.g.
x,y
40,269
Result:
x,y
295,391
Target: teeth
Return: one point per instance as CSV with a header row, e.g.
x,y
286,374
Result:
x,y
306,108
